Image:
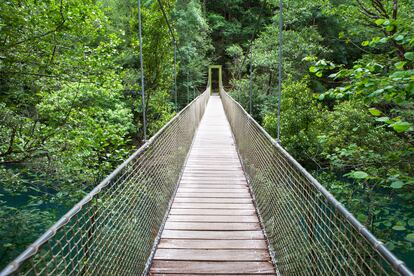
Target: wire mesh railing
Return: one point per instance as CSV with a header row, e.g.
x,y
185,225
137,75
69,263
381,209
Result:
x,y
113,230
309,231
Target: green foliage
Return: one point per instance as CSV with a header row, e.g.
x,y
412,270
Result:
x,y
195,47
234,22
300,116
29,222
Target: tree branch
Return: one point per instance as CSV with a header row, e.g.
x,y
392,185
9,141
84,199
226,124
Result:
x,y
379,7
395,9
365,10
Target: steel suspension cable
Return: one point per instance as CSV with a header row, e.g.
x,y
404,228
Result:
x,y
175,76
251,82
188,87
280,68
175,51
144,116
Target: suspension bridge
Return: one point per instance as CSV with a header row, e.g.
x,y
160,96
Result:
x,y
210,194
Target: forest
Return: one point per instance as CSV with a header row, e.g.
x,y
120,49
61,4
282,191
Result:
x,y
70,97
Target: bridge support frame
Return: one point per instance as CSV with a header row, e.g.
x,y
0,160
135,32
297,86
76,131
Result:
x,y
210,83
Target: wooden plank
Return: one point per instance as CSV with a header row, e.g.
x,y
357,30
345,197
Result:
x,y
208,168
213,235
212,200
223,151
226,172
211,255
207,189
207,181
213,186
186,205
204,173
208,160
190,167
203,274
214,195
231,165
203,148
213,179
200,162
197,267
214,176
212,158
212,226
239,191
213,244
220,212
206,218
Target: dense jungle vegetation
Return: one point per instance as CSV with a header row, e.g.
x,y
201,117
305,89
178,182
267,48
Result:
x,y
70,103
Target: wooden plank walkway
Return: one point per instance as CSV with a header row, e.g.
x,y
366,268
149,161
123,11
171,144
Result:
x,y
212,227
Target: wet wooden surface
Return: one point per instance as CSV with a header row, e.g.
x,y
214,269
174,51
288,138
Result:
x,y
212,227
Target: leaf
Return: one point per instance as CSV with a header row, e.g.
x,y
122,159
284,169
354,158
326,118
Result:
x,y
399,37
358,174
390,245
313,69
383,119
397,184
322,62
409,56
389,28
383,40
365,43
411,222
398,227
379,21
387,224
334,75
374,112
362,217
376,92
410,237
319,74
309,58
401,126
400,64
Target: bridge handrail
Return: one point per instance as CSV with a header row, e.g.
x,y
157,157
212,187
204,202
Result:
x,y
322,237
63,248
